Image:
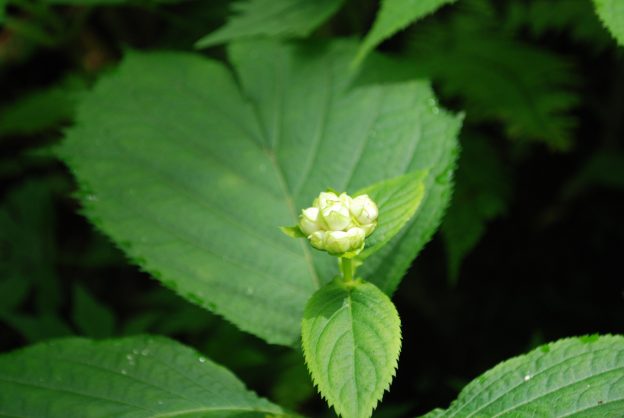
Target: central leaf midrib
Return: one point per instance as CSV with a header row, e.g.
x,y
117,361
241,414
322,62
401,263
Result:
x,y
283,185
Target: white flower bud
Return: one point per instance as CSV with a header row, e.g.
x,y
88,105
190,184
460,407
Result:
x,y
317,239
337,242
356,238
336,217
308,221
364,210
340,242
325,200
339,224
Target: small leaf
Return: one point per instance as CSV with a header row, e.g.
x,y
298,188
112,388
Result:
x,y
92,317
575,377
398,199
611,13
292,231
137,376
277,18
393,16
42,109
351,336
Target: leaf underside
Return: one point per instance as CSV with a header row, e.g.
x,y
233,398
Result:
x,y
192,173
131,377
576,377
351,339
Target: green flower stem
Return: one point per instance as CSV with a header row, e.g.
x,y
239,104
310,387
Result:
x,y
346,265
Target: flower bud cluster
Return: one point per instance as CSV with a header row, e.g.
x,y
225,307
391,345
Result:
x,y
339,224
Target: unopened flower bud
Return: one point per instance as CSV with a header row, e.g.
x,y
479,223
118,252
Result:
x,y
308,220
364,210
336,217
337,224
337,242
317,239
326,199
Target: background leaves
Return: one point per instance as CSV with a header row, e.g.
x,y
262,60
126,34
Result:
x,y
281,18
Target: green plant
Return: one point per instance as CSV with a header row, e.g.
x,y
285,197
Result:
x,y
191,164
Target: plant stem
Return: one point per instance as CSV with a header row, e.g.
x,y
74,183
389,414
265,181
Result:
x,y
347,269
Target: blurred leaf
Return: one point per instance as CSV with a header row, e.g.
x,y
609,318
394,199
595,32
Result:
x,y
42,110
27,239
277,18
482,192
611,13
604,169
398,199
202,213
92,318
529,89
111,2
37,328
574,377
13,291
293,386
351,338
574,18
135,376
393,16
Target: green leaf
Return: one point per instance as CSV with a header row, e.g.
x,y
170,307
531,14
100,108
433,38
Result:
x,y
137,376
398,200
276,18
611,13
92,317
393,16
292,231
195,193
573,18
575,377
482,192
41,110
39,327
351,337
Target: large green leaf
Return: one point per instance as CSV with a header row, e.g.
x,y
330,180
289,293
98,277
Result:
x,y
611,12
393,16
351,336
131,377
278,18
576,377
192,174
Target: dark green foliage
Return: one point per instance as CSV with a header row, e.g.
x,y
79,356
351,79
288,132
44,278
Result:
x,y
529,202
